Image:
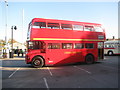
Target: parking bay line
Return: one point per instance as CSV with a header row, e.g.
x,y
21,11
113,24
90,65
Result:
x,y
46,84
49,71
13,73
82,69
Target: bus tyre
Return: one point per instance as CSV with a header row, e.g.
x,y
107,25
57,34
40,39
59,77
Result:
x,y
110,53
89,59
37,62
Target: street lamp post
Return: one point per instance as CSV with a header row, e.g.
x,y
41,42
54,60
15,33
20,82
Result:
x,y
6,4
5,50
11,53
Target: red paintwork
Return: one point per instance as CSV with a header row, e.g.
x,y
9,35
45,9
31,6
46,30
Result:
x,y
60,33
58,56
109,48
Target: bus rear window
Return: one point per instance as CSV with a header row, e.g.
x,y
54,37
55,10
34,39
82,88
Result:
x,y
39,25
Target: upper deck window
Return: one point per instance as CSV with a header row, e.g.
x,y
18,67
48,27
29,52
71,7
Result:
x,y
39,25
98,29
78,27
88,28
66,26
53,25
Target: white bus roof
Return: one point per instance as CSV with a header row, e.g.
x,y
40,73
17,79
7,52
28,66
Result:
x,y
113,41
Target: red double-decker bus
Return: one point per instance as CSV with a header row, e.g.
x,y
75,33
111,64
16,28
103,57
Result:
x,y
56,42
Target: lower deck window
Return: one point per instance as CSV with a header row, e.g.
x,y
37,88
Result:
x,y
89,45
34,45
53,45
78,46
66,45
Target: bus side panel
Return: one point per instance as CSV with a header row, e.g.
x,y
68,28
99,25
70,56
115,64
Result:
x,y
63,56
93,52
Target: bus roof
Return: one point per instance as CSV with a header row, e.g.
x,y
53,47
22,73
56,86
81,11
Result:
x,y
113,41
63,21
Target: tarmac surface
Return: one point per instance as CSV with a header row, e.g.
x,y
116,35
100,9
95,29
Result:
x,y
102,74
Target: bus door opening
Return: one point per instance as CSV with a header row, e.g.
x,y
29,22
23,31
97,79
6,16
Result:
x,y
100,50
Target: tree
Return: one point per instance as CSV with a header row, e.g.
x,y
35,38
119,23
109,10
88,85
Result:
x,y
2,43
14,41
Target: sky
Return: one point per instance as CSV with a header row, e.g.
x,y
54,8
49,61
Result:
x,y
21,13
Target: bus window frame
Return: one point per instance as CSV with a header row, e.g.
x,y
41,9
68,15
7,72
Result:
x,y
66,46
88,47
78,29
99,27
38,27
88,29
52,46
66,24
82,46
53,22
41,45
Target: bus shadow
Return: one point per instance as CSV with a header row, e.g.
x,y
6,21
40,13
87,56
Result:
x,y
75,64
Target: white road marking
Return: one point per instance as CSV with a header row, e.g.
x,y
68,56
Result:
x,y
13,73
46,84
49,71
82,69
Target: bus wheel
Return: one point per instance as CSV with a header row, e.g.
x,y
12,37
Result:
x,y
110,53
37,62
89,59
